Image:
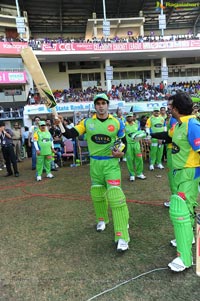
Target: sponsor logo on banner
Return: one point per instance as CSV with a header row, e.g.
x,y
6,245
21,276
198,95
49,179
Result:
x,y
12,48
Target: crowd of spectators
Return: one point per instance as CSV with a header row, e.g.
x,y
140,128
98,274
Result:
x,y
7,113
128,93
36,43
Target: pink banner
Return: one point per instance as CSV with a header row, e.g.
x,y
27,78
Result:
x,y
124,47
12,77
12,47
15,47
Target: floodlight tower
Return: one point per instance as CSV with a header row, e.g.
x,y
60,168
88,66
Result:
x,y
163,18
162,26
18,10
106,33
21,28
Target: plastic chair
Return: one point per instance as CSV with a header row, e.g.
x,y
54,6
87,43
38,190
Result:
x,y
145,148
82,150
68,150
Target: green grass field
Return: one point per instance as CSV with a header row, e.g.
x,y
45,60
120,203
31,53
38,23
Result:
x,y
50,250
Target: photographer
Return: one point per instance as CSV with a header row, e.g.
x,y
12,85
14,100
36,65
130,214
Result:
x,y
8,150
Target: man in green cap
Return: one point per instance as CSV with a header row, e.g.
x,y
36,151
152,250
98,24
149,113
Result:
x,y
134,158
156,124
102,131
44,146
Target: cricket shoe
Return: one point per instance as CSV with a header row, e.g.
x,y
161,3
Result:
x,y
177,265
50,176
122,245
101,226
160,166
39,178
173,242
166,204
132,178
141,177
151,167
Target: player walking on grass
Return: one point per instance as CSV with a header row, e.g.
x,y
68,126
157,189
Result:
x,y
43,144
134,158
155,124
186,175
102,130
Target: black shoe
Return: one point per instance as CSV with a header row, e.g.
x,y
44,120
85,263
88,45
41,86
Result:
x,y
33,168
16,174
8,174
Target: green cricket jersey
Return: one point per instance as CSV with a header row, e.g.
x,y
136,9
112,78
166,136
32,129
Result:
x,y
101,134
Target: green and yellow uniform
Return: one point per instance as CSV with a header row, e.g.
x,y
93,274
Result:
x,y
43,141
155,125
186,175
134,158
105,171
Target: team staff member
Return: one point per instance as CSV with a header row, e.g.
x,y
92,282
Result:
x,y
102,130
8,150
17,141
186,176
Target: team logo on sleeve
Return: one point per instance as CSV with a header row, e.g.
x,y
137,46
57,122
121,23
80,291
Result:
x,y
101,139
158,125
91,126
111,128
197,142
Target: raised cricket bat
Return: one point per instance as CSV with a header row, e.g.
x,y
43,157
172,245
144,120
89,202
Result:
x,y
40,80
198,245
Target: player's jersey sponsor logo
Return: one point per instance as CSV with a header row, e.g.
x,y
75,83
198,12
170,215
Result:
x,y
158,125
111,128
175,148
197,142
101,139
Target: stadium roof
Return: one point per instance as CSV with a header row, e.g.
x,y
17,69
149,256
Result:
x,y
70,16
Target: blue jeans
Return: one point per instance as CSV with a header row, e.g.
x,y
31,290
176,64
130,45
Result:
x,y
33,150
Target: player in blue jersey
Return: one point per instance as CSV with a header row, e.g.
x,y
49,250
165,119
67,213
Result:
x,y
186,176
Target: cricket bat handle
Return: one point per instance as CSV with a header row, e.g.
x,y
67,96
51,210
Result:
x,y
54,112
198,245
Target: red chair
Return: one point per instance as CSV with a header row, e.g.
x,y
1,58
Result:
x,y
68,150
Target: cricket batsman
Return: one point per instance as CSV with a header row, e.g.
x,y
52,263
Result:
x,y
102,130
